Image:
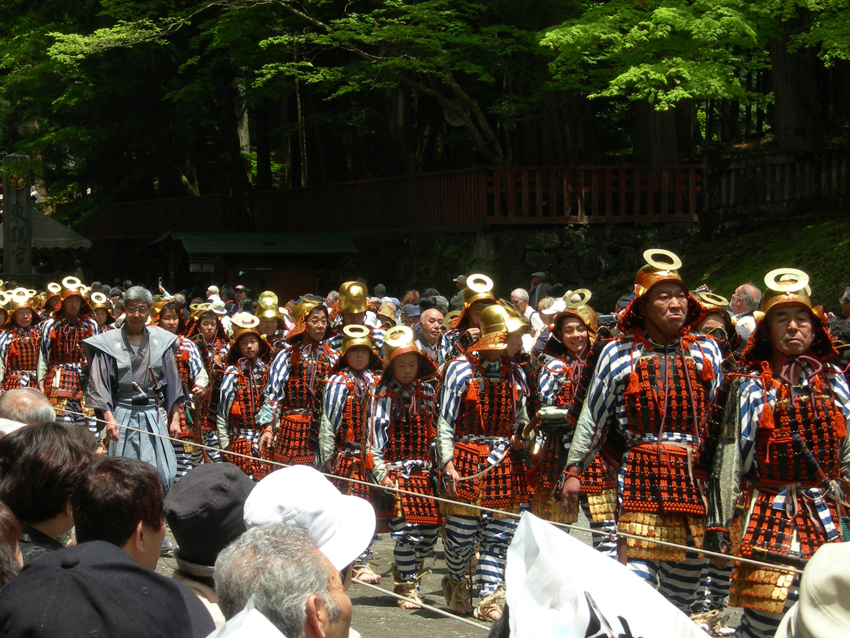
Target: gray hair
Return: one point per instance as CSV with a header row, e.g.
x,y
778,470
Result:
x,y
139,293
180,299
281,567
750,295
26,405
522,293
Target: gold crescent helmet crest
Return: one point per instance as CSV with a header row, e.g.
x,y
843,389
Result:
x,y
661,265
787,286
398,340
352,297
447,320
19,298
268,305
577,306
243,324
478,288
354,336
71,286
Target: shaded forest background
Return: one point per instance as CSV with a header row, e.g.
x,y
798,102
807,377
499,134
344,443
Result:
x,y
121,100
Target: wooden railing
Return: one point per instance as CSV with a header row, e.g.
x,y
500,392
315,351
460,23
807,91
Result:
x,y
450,200
593,194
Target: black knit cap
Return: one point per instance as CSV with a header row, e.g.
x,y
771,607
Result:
x,y
204,512
95,589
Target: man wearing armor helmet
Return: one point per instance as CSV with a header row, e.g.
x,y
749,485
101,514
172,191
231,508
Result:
x,y
653,387
777,483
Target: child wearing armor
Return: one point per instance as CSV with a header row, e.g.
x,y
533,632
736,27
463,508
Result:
x,y
566,356
400,420
342,434
19,343
208,335
62,369
242,387
465,329
193,378
482,406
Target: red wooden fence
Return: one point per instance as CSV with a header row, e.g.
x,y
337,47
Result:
x,y
467,198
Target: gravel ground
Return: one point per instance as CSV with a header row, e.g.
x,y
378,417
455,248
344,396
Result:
x,y
376,615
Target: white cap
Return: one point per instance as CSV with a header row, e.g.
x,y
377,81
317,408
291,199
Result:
x,y
823,608
342,526
556,308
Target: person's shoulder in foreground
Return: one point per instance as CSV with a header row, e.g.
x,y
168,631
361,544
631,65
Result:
x,y
95,589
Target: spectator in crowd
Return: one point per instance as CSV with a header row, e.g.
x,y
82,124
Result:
x,y
24,406
119,500
549,309
127,284
212,293
39,466
429,333
293,583
11,559
538,289
745,300
519,300
239,293
204,512
456,302
180,299
95,589
227,296
410,297
342,526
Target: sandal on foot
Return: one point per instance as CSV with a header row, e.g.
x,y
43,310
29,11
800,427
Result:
x,y
457,596
491,605
364,574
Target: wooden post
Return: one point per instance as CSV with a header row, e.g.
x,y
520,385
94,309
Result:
x,y
17,215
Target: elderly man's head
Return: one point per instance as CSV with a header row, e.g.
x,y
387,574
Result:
x,y
519,300
26,405
746,298
294,585
429,325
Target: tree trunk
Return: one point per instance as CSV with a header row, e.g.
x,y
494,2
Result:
x,y
796,90
687,129
261,135
653,134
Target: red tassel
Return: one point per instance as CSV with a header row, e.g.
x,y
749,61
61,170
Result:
x,y
766,418
634,383
369,462
839,425
707,371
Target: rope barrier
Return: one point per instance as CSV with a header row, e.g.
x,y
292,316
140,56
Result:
x,y
436,610
439,499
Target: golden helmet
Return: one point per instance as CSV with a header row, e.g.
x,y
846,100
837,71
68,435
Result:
x,y
303,308
788,286
496,324
267,305
655,271
449,318
354,336
53,290
398,340
352,297
196,310
19,298
5,301
478,288
71,286
244,324
576,303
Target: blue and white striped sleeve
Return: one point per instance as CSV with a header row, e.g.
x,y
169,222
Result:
x,y
377,420
456,380
751,401
550,380
228,391
333,400
197,372
598,409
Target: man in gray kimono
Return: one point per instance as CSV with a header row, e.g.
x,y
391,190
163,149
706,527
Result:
x,y
134,383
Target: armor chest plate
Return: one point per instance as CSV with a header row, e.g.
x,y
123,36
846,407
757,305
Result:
x,y
66,343
248,399
303,383
683,395
23,353
488,408
812,417
409,435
